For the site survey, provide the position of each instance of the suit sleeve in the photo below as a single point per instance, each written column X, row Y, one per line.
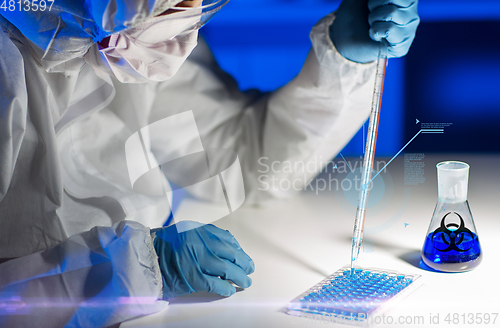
column 93, row 279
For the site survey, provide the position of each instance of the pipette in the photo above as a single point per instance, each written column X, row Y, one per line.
column 357, row 235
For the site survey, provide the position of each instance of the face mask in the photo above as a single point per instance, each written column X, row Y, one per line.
column 152, row 51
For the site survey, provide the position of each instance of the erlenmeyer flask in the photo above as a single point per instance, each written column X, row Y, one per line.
column 452, row 243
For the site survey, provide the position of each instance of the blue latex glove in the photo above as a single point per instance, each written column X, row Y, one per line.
column 202, row 258
column 360, row 25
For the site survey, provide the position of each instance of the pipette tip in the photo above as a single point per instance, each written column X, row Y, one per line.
column 353, row 262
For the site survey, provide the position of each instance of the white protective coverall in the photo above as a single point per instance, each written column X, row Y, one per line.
column 70, row 220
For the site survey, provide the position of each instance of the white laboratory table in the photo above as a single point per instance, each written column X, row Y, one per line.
column 298, row 242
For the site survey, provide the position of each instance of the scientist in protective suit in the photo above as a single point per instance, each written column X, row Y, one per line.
column 78, row 244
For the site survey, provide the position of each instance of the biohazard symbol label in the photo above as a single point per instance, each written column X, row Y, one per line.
column 452, row 238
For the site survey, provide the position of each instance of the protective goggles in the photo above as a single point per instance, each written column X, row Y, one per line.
column 182, row 20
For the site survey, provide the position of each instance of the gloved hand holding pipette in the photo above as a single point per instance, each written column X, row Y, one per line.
column 360, row 25
column 365, row 31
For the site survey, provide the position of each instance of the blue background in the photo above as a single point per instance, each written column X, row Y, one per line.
column 451, row 75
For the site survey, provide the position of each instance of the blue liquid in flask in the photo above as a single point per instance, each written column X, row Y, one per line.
column 451, row 252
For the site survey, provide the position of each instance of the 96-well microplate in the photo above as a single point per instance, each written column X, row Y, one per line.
column 351, row 299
